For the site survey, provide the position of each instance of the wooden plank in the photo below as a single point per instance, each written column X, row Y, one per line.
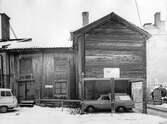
column 145, row 81
column 122, row 36
column 102, row 45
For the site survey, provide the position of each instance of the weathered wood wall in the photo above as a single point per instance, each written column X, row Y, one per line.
column 113, row 45
column 48, row 66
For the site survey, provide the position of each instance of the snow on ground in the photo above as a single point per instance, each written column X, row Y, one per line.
column 161, row 106
column 46, row 115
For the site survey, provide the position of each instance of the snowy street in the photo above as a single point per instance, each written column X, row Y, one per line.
column 44, row 115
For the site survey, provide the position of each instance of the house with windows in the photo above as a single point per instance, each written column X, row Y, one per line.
column 157, row 52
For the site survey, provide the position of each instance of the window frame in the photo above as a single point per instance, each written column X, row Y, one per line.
column 61, row 88
column 5, row 93
column 23, row 61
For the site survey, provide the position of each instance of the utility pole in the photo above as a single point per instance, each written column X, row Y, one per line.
column 137, row 7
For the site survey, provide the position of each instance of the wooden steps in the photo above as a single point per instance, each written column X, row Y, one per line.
column 26, row 103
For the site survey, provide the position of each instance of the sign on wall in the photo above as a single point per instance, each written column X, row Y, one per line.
column 111, row 72
column 48, row 86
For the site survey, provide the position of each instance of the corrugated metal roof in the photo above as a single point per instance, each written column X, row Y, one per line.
column 9, row 45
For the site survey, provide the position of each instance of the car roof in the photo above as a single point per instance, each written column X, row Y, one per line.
column 116, row 94
column 5, row 89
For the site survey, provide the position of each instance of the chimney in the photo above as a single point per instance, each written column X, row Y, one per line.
column 157, row 19
column 4, row 27
column 85, row 18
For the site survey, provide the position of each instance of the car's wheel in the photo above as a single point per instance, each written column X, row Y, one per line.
column 90, row 109
column 121, row 109
column 3, row 109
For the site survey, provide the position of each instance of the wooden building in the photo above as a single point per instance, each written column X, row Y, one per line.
column 40, row 71
column 110, row 47
column 109, row 44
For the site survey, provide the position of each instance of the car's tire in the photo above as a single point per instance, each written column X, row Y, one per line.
column 121, row 109
column 3, row 109
column 90, row 109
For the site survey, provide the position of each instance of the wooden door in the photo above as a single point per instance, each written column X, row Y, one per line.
column 21, row 91
column 26, row 91
column 137, row 92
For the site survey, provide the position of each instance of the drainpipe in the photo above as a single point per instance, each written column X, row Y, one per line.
column 2, row 76
column 9, row 72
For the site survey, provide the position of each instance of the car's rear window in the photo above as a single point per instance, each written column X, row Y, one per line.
column 124, row 98
column 6, row 93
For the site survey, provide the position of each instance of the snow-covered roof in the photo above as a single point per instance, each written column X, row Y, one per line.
column 29, row 44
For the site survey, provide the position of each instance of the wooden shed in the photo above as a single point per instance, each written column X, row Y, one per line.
column 40, row 71
column 110, row 47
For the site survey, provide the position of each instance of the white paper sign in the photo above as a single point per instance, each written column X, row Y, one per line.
column 111, row 72
column 48, row 86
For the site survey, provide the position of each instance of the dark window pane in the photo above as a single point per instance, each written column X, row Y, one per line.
column 2, row 93
column 105, row 98
column 8, row 93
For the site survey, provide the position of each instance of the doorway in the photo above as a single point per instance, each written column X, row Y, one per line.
column 26, row 90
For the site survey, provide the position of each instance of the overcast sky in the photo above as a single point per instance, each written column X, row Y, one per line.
column 52, row 20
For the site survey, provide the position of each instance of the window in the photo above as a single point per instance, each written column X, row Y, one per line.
column 105, row 98
column 61, row 87
column 26, row 66
column 6, row 93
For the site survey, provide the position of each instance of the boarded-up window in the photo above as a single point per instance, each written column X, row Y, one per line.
column 26, row 66
column 61, row 87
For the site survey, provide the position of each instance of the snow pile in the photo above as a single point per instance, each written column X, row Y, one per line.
column 45, row 115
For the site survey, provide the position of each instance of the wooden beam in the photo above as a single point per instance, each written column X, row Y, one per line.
column 82, row 86
column 144, row 86
column 112, row 95
column 129, row 79
column 145, row 81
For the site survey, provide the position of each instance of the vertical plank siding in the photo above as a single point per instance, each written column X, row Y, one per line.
column 47, row 67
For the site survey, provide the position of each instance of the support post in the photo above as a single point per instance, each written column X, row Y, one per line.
column 82, row 92
column 112, row 95
column 144, row 85
column 82, row 86
column 145, row 79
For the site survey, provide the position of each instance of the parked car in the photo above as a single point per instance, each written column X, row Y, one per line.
column 123, row 102
column 7, row 100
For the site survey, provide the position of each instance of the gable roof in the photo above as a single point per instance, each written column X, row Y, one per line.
column 115, row 17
